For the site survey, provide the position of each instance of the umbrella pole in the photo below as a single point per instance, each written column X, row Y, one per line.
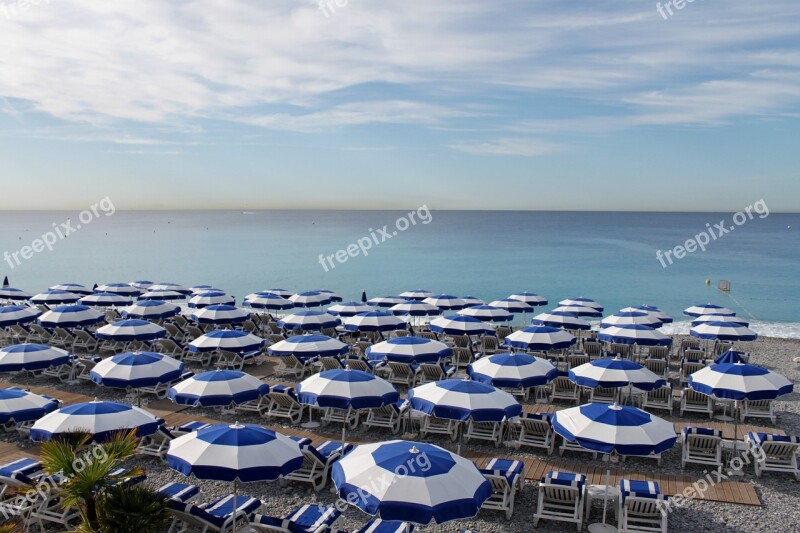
column 603, row 527
column 735, row 473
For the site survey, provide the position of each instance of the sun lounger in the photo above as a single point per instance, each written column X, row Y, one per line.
column 172, row 348
column 317, row 462
column 283, row 404
column 696, row 402
column 439, row 426
column 160, row 389
column 562, row 388
column 506, row 477
column 774, row 453
column 660, row 398
column 641, row 507
column 402, row 373
column 187, row 427
column 388, row 416
column 218, row 515
column 17, row 474
column 156, row 444
column 350, row 417
column 85, row 342
column 535, row 431
column 376, row 525
column 305, row 519
column 429, row 372
column 237, row 360
column 491, row 431
column 561, row 497
column 292, row 365
column 702, row 446
column 182, row 492
column 757, row 409
column 85, row 366
column 604, row 394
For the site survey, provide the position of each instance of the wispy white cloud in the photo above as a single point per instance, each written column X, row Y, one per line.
column 509, row 146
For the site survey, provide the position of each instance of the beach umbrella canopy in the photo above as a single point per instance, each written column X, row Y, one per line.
column 529, row 298
column 456, row 399
column 75, row 288
column 386, row 301
column 135, row 370
column 540, row 338
column 105, row 299
column 460, row 325
column 130, row 330
column 512, row 305
column 218, row 388
column 730, row 356
column 512, row 370
column 652, row 311
column 28, row 357
column 169, row 286
column 10, row 293
column 373, row 321
column 723, row 331
column 578, row 310
column 586, row 302
column 471, row 301
column 220, row 315
column 235, row 452
column 629, row 318
column 346, row 309
column 707, row 309
column 561, row 320
column 70, row 316
column 409, row 350
column 163, row 295
column 99, row 419
column 420, row 483
column 283, row 293
column 487, row 313
column 141, row 284
column 18, row 405
column 51, row 296
column 304, row 346
column 309, row 321
column 418, row 294
column 609, row 428
column 227, row 339
column 615, row 372
column 346, row 389
column 123, row 289
column 414, row 308
column 204, row 299
column 696, row 321
column 17, row 314
column 639, row 335
column 445, row 302
column 310, row 299
column 332, row 296
column 150, row 310
column 739, row 381
column 197, row 289
column 267, row 300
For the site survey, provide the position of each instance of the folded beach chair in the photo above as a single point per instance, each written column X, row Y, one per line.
column 702, row 446
column 641, row 507
column 561, row 497
column 429, row 372
column 38, row 334
column 237, row 360
column 156, row 444
column 757, row 409
column 696, row 402
column 175, row 332
column 182, row 492
column 535, row 431
column 660, row 398
column 389, row 416
column 84, row 341
column 62, row 338
column 506, row 477
column 402, row 373
column 283, row 404
column 462, row 357
column 305, row 519
column 218, row 515
column 19, row 333
column 317, row 462
column 562, row 388
column 376, row 525
column 489, row 345
column 439, row 426
column 774, row 453
column 491, row 431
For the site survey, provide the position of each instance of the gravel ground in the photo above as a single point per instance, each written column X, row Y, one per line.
column 780, row 493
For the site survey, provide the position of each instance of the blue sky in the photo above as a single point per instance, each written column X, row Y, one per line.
column 523, row 104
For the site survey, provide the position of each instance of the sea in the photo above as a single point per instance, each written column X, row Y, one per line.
column 608, row 256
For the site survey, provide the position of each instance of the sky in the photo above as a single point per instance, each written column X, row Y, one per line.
column 356, row 104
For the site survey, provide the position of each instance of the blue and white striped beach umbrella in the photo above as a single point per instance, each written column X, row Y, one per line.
column 586, row 302
column 220, row 315
column 414, row 308
column 529, row 298
column 629, row 318
column 332, row 296
column 204, row 299
column 487, row 313
column 218, row 388
column 99, row 419
column 309, row 321
column 135, row 370
column 615, row 372
column 561, row 320
column 639, row 335
column 283, row 293
column 578, row 310
column 141, row 284
column 105, row 299
column 512, row 370
column 456, row 399
column 150, row 310
column 310, row 299
column 130, row 330
column 75, row 288
column 512, row 305
column 70, row 316
column 304, row 346
column 346, row 389
column 373, row 321
column 231, row 340
column 609, row 428
column 169, row 286
column 652, row 311
column 237, row 452
column 346, row 309
column 17, row 295
column 28, row 357
column 540, row 338
column 707, row 309
column 696, row 321
column 446, row 302
column 386, row 301
column 17, row 314
column 267, row 300
column 55, row 297
column 163, row 295
column 409, row 350
column 471, row 301
column 740, row 381
column 723, row 331
column 460, row 325
column 410, row 482
column 18, row 405
column 123, row 289
column 417, row 294
column 197, row 289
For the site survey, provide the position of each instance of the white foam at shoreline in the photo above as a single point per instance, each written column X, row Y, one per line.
column 781, row 330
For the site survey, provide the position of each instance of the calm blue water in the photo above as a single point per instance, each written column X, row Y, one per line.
column 608, row 256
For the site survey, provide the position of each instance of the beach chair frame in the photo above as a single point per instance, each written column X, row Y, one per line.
column 560, row 502
column 701, row 446
column 774, row 455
